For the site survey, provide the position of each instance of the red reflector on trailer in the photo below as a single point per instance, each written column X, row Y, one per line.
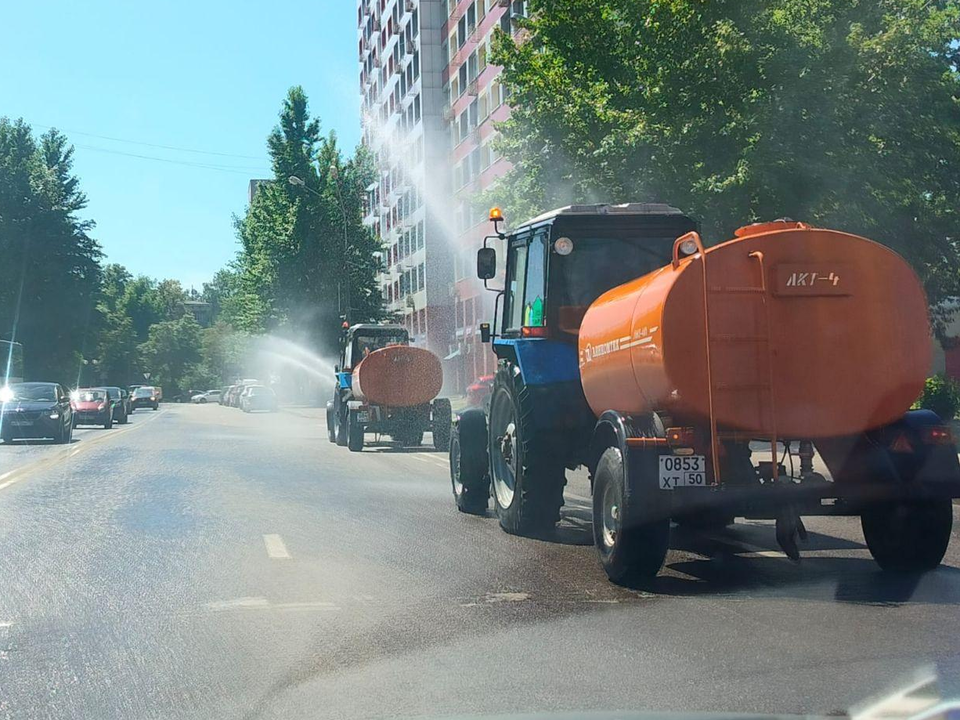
column 533, row 332
column 901, row 444
column 936, row 435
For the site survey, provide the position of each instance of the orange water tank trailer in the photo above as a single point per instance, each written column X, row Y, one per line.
column 812, row 333
column 398, row 376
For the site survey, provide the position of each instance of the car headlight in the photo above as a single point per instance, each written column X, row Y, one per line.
column 55, row 415
column 101, row 406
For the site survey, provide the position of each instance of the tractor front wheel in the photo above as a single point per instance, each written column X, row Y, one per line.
column 469, row 465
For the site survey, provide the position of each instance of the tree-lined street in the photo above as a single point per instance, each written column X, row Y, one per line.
column 209, row 563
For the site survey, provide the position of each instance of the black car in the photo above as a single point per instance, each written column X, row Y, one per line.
column 35, row 410
column 121, row 406
column 145, row 396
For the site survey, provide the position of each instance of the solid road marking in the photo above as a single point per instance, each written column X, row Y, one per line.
column 275, row 547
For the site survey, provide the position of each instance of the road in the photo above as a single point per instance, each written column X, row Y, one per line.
column 204, row 563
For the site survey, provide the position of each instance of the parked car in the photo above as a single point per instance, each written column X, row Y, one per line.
column 92, row 406
column 121, row 408
column 223, row 395
column 35, row 410
column 480, row 392
column 145, row 396
column 258, row 397
column 205, row 397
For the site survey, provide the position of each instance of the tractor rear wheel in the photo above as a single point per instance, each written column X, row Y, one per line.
column 908, row 536
column 527, row 468
column 631, row 540
column 469, row 465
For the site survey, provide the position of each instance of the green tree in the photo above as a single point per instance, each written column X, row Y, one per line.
column 844, row 113
column 172, row 352
column 49, row 264
column 298, row 267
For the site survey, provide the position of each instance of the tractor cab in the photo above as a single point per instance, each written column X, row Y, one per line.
column 558, row 263
column 361, row 340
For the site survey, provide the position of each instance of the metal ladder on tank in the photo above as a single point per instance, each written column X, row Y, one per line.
column 763, row 338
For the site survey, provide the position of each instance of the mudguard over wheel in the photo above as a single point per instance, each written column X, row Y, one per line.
column 526, row 465
column 631, row 540
column 354, row 432
column 469, row 463
column 442, row 421
column 331, row 423
column 908, row 536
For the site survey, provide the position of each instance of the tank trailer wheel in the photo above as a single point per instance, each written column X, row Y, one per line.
column 908, row 536
column 354, row 432
column 632, row 547
column 526, row 468
column 469, row 465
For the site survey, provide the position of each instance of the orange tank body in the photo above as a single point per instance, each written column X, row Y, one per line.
column 398, row 376
column 839, row 342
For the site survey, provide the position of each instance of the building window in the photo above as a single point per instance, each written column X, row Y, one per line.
column 472, row 17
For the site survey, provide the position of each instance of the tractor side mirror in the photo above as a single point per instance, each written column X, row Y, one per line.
column 486, row 263
column 484, row 332
column 336, row 368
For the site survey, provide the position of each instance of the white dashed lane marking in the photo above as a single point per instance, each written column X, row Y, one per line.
column 275, row 547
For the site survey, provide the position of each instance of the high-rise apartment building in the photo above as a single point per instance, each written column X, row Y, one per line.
column 430, row 99
column 399, row 44
column 475, row 102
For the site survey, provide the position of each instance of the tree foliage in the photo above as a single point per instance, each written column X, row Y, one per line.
column 306, row 256
column 844, row 113
column 49, row 264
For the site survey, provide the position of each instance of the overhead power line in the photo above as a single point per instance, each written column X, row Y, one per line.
column 153, row 145
column 236, row 169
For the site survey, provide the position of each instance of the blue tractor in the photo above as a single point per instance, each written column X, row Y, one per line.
column 539, row 423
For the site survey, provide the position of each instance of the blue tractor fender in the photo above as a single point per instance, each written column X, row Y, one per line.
column 541, row 361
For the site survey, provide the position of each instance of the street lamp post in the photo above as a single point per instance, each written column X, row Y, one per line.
column 335, row 173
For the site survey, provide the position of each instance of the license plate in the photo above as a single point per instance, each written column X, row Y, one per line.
column 21, row 423
column 363, row 416
column 677, row 471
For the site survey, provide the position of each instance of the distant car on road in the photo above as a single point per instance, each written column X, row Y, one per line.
column 35, row 410
column 121, row 408
column 258, row 397
column 92, row 406
column 145, row 396
column 205, row 397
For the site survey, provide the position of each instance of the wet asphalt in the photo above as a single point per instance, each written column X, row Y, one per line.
column 205, row 563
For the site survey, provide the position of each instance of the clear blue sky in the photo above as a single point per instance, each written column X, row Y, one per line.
column 205, row 75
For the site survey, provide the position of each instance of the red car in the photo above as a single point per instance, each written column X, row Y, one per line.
column 92, row 406
column 478, row 394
